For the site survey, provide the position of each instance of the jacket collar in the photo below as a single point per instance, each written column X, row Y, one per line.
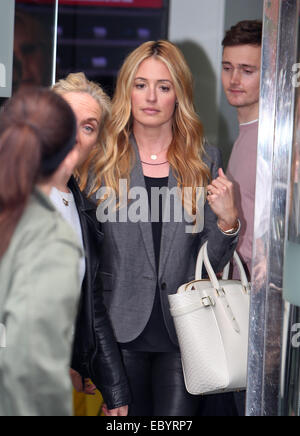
column 82, row 203
column 86, row 211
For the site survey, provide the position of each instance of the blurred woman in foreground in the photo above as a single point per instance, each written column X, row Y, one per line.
column 39, row 256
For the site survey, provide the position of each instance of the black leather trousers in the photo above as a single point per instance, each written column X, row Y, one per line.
column 157, row 386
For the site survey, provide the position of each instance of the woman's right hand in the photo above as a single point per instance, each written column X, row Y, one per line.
column 221, row 199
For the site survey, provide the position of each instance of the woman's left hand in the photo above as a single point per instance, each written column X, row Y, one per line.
column 120, row 411
column 220, row 197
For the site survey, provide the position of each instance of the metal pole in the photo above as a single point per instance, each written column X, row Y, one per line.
column 55, row 43
column 290, row 371
column 274, row 156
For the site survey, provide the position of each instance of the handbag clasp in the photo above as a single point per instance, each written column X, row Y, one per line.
column 208, row 301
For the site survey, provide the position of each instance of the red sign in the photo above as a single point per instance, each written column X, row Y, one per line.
column 154, row 4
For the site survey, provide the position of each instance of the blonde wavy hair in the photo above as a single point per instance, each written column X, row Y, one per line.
column 78, row 82
column 185, row 153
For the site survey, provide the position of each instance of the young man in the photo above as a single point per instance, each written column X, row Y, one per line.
column 241, row 82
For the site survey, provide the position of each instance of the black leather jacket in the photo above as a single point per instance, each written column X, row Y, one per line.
column 95, row 352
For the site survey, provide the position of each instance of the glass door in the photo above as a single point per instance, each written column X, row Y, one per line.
column 34, row 43
column 28, row 34
column 7, row 12
column 290, row 375
column 276, row 270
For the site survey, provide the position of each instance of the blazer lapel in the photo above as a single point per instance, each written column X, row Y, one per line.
column 137, row 179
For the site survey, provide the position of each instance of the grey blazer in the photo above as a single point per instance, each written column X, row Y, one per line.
column 128, row 269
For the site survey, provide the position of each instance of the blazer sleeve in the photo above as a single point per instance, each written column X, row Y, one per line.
column 40, row 313
column 106, row 366
column 220, row 246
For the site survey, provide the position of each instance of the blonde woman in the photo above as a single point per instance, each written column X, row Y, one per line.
column 155, row 141
column 95, row 355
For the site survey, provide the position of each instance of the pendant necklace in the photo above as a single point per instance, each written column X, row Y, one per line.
column 154, row 157
column 63, row 199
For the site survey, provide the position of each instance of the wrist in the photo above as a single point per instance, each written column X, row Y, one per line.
column 227, row 224
column 229, row 228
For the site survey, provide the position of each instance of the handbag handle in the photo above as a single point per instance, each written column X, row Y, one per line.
column 226, row 272
column 243, row 275
column 203, row 257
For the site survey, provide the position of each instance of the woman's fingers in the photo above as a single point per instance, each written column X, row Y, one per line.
column 220, row 185
column 221, row 173
column 89, row 388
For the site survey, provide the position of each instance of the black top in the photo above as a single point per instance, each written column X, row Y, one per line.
column 152, row 182
column 155, row 337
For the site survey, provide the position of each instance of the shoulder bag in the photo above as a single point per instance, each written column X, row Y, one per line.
column 211, row 319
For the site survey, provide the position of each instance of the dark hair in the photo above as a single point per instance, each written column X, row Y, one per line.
column 244, row 32
column 35, row 126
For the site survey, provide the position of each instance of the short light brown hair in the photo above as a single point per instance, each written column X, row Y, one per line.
column 243, row 33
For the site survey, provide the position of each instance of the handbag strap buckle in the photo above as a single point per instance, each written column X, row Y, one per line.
column 221, row 292
column 247, row 289
column 208, row 301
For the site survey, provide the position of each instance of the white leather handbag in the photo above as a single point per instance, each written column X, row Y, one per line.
column 212, row 321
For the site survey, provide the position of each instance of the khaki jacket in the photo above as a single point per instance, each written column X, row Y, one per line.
column 39, row 292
